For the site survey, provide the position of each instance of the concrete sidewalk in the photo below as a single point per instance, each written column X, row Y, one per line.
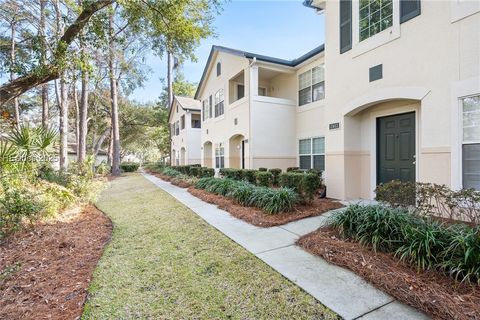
column 339, row 289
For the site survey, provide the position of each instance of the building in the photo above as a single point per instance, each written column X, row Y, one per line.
column 185, row 126
column 250, row 110
column 402, row 93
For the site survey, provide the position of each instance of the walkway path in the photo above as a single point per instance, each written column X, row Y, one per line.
column 339, row 289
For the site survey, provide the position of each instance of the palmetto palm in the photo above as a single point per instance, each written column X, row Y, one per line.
column 26, row 146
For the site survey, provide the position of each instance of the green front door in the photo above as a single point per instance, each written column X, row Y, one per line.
column 396, row 148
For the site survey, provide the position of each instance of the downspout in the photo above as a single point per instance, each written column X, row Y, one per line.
column 250, row 135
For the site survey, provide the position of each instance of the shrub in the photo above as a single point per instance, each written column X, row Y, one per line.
column 207, row 172
column 291, row 180
column 242, row 194
column 310, row 184
column 102, row 169
column 264, row 178
column 195, row 171
column 249, row 175
column 422, row 242
column 129, row 166
column 155, row 167
column 231, row 173
column 289, row 169
column 55, row 197
column 276, row 200
column 276, row 173
column 431, row 199
column 262, row 169
column 170, row 172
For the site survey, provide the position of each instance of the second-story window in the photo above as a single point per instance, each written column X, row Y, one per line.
column 374, row 17
column 219, row 69
column 311, row 85
column 182, row 122
column 205, row 110
column 219, row 103
column 177, row 128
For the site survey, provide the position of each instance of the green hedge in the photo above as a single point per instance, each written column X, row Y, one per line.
column 276, row 174
column 129, row 166
column 305, row 184
column 264, row 178
column 270, row 200
column 421, row 242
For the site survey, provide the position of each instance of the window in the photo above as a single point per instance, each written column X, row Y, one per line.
column 196, row 124
column 240, row 91
column 311, row 85
column 345, row 25
column 374, row 16
column 471, row 142
column 219, row 156
column 177, row 128
column 219, row 107
column 205, row 110
column 182, row 122
column 210, row 106
column 312, row 153
column 219, row 69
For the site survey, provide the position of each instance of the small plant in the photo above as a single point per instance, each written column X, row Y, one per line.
column 231, row 173
column 290, row 169
column 273, row 201
column 249, row 175
column 264, row 178
column 129, row 166
column 170, row 172
column 195, row 171
column 311, row 183
column 207, row 172
column 262, row 169
column 276, row 173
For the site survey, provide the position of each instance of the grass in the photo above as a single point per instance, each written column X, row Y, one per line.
column 164, row 262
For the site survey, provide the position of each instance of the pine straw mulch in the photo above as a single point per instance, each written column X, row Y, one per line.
column 258, row 217
column 45, row 272
column 432, row 292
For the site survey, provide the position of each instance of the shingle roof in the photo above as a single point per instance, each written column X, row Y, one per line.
column 186, row 103
column 260, row 57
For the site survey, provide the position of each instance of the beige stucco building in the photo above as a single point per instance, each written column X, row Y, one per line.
column 250, row 109
column 185, row 126
column 394, row 94
column 404, row 88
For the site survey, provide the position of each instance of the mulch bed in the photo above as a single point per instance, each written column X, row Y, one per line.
column 432, row 292
column 51, row 266
column 258, row 217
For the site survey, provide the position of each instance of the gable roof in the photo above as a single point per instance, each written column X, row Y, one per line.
column 186, row 103
column 260, row 57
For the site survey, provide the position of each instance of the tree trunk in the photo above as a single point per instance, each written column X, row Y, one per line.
column 63, row 111
column 43, row 57
column 113, row 99
column 83, row 127
column 77, row 117
column 98, row 145
column 16, row 106
column 10, row 90
column 170, row 78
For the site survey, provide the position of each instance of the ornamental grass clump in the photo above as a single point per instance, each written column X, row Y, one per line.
column 170, row 172
column 422, row 242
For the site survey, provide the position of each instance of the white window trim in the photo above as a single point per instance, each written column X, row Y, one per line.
column 309, row 69
column 462, row 141
column 220, row 145
column 311, row 151
column 377, row 40
column 460, row 89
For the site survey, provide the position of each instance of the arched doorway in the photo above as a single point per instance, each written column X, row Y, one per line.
column 237, row 152
column 183, row 154
column 207, row 154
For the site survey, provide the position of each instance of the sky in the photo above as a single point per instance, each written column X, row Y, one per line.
column 280, row 28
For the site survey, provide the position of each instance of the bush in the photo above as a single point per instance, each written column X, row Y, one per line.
column 129, row 166
column 155, row 167
column 270, row 200
column 249, row 175
column 276, row 173
column 289, row 169
column 431, row 199
column 311, row 183
column 195, row 171
column 207, row 172
column 102, row 169
column 170, row 172
column 264, row 178
column 305, row 184
column 262, row 169
column 422, row 242
column 231, row 173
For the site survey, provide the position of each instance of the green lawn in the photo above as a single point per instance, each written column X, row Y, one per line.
column 164, row 262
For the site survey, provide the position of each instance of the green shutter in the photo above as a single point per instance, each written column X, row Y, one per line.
column 345, row 25
column 409, row 9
